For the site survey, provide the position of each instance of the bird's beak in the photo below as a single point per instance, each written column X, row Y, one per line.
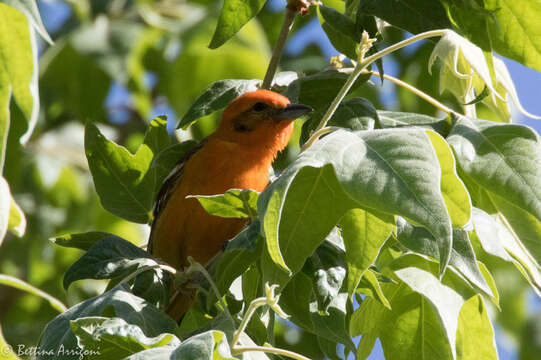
column 293, row 111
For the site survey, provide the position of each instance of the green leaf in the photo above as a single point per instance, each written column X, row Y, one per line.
column 345, row 170
column 17, row 220
column 210, row 345
column 370, row 286
column 355, row 114
column 364, row 233
column 462, row 256
column 83, row 241
column 132, row 309
column 106, row 259
column 30, row 10
column 505, row 160
column 514, row 31
column 327, row 269
column 18, row 73
column 445, row 299
column 125, row 182
column 403, row 119
column 340, row 30
column 454, row 191
column 475, row 335
column 105, row 338
column 412, row 330
column 235, row 13
column 235, row 203
column 239, row 253
column 216, row 97
column 5, row 207
column 24, row 286
column 496, row 239
column 410, row 15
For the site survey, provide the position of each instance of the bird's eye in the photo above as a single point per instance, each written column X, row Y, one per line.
column 259, row 106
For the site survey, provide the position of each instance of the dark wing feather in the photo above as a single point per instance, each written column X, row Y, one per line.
column 168, row 186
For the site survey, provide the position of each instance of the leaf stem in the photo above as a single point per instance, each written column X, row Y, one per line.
column 31, row 289
column 289, row 18
column 272, row 300
column 417, row 92
column 361, row 65
column 316, row 135
column 272, row 350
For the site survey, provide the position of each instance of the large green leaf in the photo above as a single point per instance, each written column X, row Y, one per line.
column 475, row 335
column 30, row 9
column 462, row 256
column 444, row 297
column 345, row 170
column 216, row 97
column 364, row 233
column 235, row 203
column 18, row 72
column 340, row 30
column 497, row 240
column 414, row 16
column 210, row 345
column 126, row 182
column 515, row 31
column 505, row 160
column 114, row 338
column 106, row 259
column 235, row 13
column 132, row 309
column 412, row 330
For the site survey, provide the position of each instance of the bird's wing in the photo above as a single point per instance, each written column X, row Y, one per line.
column 169, row 184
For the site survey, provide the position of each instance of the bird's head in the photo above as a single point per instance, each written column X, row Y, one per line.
column 260, row 118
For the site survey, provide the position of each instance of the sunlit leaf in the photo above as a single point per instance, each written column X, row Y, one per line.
column 344, row 170
column 235, row 13
column 235, row 203
column 18, row 72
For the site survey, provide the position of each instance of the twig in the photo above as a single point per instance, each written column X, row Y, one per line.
column 416, row 91
column 289, row 18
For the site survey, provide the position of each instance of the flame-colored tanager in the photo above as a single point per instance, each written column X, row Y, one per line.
column 253, row 129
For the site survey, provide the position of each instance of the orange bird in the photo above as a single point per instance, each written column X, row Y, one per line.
column 254, row 128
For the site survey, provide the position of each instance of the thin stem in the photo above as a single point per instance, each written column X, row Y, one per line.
column 279, row 47
column 363, row 63
column 146, row 268
column 417, row 92
column 271, row 350
column 254, row 305
column 317, row 134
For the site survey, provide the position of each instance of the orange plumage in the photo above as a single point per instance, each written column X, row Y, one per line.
column 254, row 128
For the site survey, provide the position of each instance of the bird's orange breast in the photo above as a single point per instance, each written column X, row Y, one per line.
column 184, row 228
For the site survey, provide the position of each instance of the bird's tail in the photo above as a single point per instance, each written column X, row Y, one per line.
column 181, row 303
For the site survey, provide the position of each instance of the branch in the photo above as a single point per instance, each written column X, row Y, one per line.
column 289, row 18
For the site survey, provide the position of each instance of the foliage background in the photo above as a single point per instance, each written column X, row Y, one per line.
column 112, row 67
